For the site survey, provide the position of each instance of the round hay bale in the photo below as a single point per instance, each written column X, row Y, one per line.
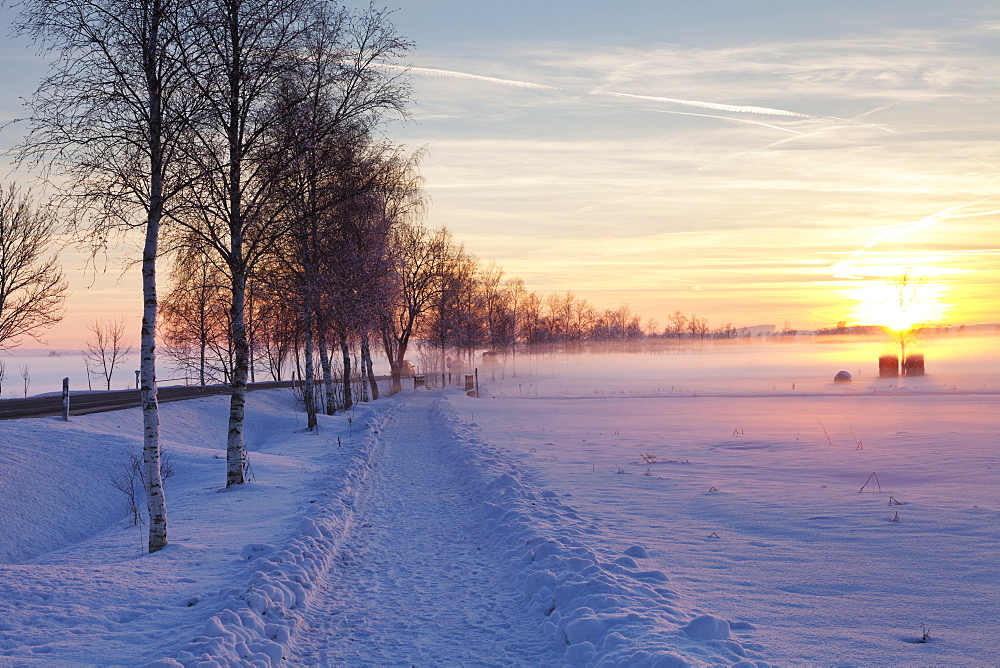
column 842, row 377
column 913, row 365
column 888, row 366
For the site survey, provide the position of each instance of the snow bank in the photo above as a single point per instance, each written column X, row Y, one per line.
column 77, row 588
column 55, row 483
column 603, row 609
column 255, row 626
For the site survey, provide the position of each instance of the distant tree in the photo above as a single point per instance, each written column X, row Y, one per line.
column 277, row 335
column 698, row 327
column 677, row 324
column 531, row 325
column 560, row 315
column 422, row 258
column 32, row 287
column 195, row 318
column 583, row 319
column 370, row 240
column 907, row 292
column 726, row 331
column 26, row 377
column 511, row 330
column 496, row 302
column 107, row 348
column 452, row 319
column 464, row 279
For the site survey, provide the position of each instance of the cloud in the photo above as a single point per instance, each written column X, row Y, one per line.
column 869, row 130
column 982, row 163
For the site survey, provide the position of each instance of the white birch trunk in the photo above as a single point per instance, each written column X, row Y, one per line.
column 156, row 504
column 346, row 351
column 235, row 457
column 309, row 390
column 324, row 358
column 235, row 454
column 366, row 361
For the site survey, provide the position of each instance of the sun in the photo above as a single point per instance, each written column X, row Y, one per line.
column 899, row 303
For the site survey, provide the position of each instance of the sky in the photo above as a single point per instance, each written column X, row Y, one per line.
column 750, row 162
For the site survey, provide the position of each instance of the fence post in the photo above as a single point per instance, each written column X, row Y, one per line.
column 477, row 382
column 65, row 399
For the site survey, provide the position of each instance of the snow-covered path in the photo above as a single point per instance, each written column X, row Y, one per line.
column 415, row 583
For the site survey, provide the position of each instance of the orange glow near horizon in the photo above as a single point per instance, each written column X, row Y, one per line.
column 899, row 306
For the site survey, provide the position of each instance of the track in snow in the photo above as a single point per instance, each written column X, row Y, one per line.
column 415, row 583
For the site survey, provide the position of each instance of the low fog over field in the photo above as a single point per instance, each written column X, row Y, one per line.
column 716, row 503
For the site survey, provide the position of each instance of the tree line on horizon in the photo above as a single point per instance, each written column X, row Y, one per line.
column 429, row 290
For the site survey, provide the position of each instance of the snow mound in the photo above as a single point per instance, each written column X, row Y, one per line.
column 637, row 551
column 708, row 627
column 602, row 610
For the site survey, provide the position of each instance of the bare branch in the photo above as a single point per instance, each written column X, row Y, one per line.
column 32, row 288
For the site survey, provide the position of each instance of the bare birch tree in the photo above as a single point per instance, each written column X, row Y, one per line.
column 239, row 54
column 111, row 115
column 32, row 287
column 25, row 373
column 107, row 349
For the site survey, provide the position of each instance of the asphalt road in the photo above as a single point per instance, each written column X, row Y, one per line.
column 82, row 403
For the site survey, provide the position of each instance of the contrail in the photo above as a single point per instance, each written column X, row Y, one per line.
column 744, row 109
column 848, row 121
column 726, row 118
column 738, row 108
column 618, row 201
column 901, row 229
column 981, row 162
column 451, row 74
column 843, row 268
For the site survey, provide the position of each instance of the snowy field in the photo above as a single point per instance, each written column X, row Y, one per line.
column 45, row 369
column 832, row 521
column 705, row 505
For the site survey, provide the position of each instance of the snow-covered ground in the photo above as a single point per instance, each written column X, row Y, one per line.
column 74, row 587
column 835, row 520
column 710, row 505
